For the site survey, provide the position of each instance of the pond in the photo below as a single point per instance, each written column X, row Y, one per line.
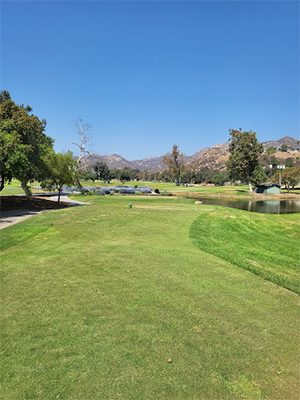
column 260, row 206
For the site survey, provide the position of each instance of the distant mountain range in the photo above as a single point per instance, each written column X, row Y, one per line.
column 213, row 157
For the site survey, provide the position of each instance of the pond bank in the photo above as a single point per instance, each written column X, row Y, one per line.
column 241, row 196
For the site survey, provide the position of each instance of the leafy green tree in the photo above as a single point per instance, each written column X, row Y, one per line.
column 267, row 160
column 272, row 167
column 124, row 175
column 269, row 163
column 61, row 170
column 274, row 162
column 135, row 174
column 175, row 164
column 284, row 147
column 102, row 171
column 4, row 96
column 114, row 173
column 129, row 174
column 152, row 176
column 289, row 162
column 270, row 151
column 204, row 174
column 13, row 156
column 87, row 175
column 219, row 178
column 259, row 175
column 290, row 177
column 164, row 176
column 186, row 176
column 23, row 143
column 145, row 176
column 244, row 151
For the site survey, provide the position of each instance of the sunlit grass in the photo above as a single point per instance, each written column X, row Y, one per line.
column 172, row 188
column 14, row 188
column 267, row 245
column 97, row 299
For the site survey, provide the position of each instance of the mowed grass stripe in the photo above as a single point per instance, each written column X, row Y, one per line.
column 267, row 245
column 94, row 306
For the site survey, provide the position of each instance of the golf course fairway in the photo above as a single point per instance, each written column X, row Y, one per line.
column 97, row 299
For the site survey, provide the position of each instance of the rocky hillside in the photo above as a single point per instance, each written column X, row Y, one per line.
column 150, row 164
column 293, row 143
column 213, row 157
column 216, row 156
column 113, row 161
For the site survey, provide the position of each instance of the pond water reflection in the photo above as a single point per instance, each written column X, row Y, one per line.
column 260, row 206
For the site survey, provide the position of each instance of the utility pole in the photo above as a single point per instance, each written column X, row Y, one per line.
column 280, row 167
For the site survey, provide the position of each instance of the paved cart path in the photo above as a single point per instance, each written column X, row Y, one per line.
column 12, row 217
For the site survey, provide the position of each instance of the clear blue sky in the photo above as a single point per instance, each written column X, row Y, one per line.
column 149, row 74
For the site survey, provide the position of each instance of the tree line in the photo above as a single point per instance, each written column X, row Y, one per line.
column 247, row 163
column 27, row 155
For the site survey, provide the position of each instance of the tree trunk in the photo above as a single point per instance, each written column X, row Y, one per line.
column 24, row 187
column 250, row 187
column 78, row 184
column 59, row 192
column 2, row 184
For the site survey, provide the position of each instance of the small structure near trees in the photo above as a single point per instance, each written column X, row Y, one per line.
column 267, row 188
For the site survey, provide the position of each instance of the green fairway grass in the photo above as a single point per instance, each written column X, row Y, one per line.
column 267, row 245
column 169, row 187
column 14, row 188
column 96, row 299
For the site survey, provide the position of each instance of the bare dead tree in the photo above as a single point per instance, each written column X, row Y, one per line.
column 85, row 138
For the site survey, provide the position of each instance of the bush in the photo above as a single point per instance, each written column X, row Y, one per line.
column 28, row 187
column 46, row 186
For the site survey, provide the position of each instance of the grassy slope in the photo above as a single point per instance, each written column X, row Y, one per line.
column 101, row 296
column 267, row 245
